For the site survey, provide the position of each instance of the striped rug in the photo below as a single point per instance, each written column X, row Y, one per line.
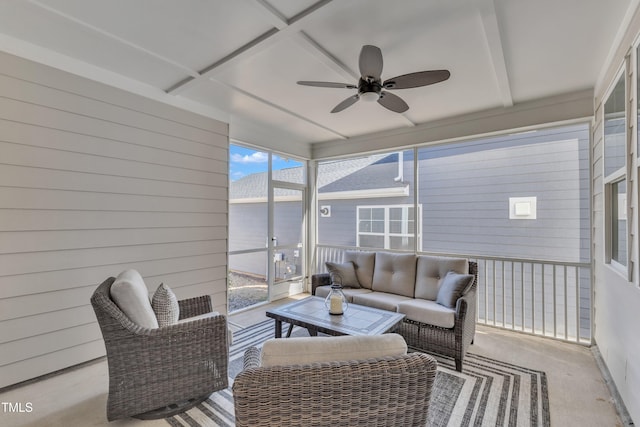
column 488, row 393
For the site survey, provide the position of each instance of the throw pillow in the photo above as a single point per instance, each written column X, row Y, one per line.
column 345, row 272
column 165, row 306
column 453, row 286
column 130, row 294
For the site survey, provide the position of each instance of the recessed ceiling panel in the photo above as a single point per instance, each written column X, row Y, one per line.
column 194, row 33
column 23, row 20
column 289, row 127
column 556, row 47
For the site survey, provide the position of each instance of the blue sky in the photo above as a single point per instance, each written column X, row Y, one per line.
column 245, row 161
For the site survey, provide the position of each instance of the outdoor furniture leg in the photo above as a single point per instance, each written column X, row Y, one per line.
column 278, row 328
column 290, row 330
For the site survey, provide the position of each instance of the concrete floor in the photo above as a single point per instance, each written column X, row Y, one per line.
column 578, row 393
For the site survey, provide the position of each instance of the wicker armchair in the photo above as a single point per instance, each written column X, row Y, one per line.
column 383, row 391
column 156, row 373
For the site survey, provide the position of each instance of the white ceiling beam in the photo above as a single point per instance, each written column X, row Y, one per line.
column 325, row 57
column 494, row 44
column 114, row 37
column 255, row 46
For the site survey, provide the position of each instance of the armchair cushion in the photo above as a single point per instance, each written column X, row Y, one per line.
column 453, row 287
column 306, row 350
column 165, row 306
column 132, row 297
column 346, row 273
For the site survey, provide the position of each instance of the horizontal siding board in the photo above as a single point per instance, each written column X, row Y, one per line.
column 146, row 151
column 36, row 115
column 39, row 282
column 44, row 364
column 39, row 324
column 17, row 350
column 57, row 99
column 29, row 219
column 29, row 198
column 22, row 263
column 40, row 241
column 30, row 177
column 77, row 162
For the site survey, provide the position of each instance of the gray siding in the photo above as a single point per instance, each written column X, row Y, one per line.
column 94, row 180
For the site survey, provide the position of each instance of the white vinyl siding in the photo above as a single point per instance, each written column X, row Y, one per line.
column 94, row 180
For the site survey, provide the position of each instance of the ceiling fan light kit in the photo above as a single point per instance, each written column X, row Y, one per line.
column 370, row 86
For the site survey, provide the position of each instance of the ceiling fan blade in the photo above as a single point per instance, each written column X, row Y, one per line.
column 346, row 103
column 421, row 78
column 392, row 102
column 370, row 62
column 328, row 84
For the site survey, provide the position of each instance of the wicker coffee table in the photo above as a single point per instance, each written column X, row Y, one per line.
column 311, row 313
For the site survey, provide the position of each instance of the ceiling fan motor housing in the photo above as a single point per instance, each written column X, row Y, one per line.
column 369, row 89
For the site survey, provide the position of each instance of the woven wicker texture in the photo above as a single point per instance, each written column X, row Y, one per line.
column 165, row 306
column 154, row 368
column 452, row 342
column 390, row 391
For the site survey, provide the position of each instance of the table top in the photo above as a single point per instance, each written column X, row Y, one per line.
column 356, row 320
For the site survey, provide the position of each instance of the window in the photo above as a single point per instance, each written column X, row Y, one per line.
column 386, row 227
column 615, row 162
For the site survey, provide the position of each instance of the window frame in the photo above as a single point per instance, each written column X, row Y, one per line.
column 387, row 234
column 615, row 177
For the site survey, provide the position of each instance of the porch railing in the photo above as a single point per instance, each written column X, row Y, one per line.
column 539, row 297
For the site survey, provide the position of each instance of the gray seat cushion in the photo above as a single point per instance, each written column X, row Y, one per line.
column 429, row 312
column 395, row 273
column 381, row 300
column 323, row 291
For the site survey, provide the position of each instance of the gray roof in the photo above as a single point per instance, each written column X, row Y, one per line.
column 255, row 185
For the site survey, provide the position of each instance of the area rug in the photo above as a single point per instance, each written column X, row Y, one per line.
column 487, row 393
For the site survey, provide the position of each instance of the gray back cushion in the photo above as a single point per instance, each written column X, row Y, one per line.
column 363, row 263
column 431, row 271
column 395, row 273
column 343, row 274
column 453, row 287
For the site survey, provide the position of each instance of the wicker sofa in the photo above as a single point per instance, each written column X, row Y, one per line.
column 331, row 381
column 413, row 285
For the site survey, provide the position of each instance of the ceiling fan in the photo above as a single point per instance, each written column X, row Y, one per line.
column 372, row 88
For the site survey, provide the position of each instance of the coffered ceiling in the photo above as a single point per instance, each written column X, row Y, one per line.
column 239, row 60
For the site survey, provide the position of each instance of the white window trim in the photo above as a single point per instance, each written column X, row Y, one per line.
column 387, row 233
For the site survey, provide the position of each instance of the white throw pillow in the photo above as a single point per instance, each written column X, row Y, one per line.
column 165, row 306
column 132, row 297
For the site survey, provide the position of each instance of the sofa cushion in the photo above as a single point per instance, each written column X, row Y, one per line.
column 429, row 312
column 131, row 295
column 305, row 350
column 323, row 291
column 431, row 270
column 381, row 300
column 363, row 263
column 165, row 305
column 453, row 287
column 395, row 273
column 343, row 274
